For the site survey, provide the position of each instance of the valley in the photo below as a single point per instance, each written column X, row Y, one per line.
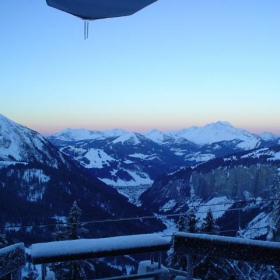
column 125, row 177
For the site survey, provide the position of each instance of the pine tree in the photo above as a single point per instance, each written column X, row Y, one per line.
column 74, row 226
column 181, row 224
column 192, row 222
column 209, row 225
column 3, row 240
column 206, row 266
column 74, row 270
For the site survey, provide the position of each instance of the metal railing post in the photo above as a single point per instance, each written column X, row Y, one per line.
column 159, row 259
column 16, row 275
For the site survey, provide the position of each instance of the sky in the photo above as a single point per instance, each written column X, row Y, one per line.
column 172, row 65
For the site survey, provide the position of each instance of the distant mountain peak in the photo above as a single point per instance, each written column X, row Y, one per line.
column 132, row 137
column 154, row 130
column 221, row 123
column 156, row 135
column 268, row 136
column 77, row 134
column 114, row 132
column 216, row 132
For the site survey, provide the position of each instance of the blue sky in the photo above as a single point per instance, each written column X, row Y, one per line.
column 170, row 66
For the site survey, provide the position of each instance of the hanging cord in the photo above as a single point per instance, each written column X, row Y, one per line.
column 86, row 27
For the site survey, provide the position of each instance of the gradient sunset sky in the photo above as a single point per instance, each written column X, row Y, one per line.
column 175, row 64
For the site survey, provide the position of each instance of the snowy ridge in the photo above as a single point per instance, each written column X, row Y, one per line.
column 216, row 132
column 157, row 136
column 208, row 134
column 266, row 136
column 71, row 134
column 21, row 144
column 129, row 137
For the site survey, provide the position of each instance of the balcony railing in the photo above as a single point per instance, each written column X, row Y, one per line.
column 12, row 258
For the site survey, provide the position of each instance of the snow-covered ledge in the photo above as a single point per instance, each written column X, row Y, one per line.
column 242, row 249
column 59, row 251
column 12, row 258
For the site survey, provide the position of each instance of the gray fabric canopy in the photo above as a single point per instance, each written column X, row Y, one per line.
column 99, row 9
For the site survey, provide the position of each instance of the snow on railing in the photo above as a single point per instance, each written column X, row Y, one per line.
column 59, row 251
column 12, row 258
column 241, row 249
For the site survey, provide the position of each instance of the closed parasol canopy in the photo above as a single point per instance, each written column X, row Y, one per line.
column 99, row 9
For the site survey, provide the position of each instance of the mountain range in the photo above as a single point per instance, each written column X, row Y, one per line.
column 234, row 173
column 159, row 168
column 131, row 161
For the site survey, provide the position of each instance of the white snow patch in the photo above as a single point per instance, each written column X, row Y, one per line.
column 141, row 156
column 144, row 157
column 31, row 174
column 257, row 227
column 148, row 267
column 97, row 158
column 218, row 206
column 198, row 157
column 168, row 205
column 132, row 192
column 128, row 161
column 137, row 179
column 127, row 137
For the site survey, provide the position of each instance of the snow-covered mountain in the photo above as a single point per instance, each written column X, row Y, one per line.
column 158, row 136
column 20, row 144
column 247, row 180
column 208, row 134
column 38, row 185
column 128, row 159
column 267, row 136
column 217, row 132
column 83, row 134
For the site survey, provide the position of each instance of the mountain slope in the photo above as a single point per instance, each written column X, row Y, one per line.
column 20, row 144
column 251, row 177
column 38, row 185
